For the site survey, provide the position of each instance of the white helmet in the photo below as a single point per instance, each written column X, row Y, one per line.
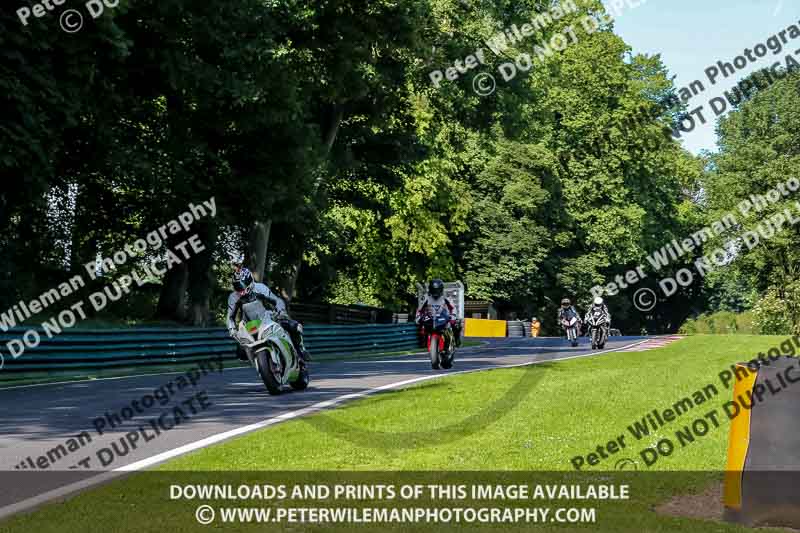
column 598, row 300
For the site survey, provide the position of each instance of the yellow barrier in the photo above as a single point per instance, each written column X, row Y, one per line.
column 738, row 442
column 478, row 327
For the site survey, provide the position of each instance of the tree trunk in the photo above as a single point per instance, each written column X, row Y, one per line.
column 291, row 282
column 84, row 243
column 172, row 301
column 335, row 118
column 201, row 277
column 258, row 245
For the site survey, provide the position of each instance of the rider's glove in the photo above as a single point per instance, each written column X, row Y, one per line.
column 232, row 332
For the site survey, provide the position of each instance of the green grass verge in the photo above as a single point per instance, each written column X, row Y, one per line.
column 720, row 323
column 465, row 423
column 572, row 407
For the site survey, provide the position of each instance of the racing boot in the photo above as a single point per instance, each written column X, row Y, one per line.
column 241, row 353
column 297, row 340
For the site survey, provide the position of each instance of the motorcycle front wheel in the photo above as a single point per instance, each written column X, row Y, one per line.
column 447, row 360
column 270, row 375
column 434, row 351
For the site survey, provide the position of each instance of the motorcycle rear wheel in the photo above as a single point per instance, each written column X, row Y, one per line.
column 447, row 360
column 264, row 365
column 301, row 383
column 599, row 338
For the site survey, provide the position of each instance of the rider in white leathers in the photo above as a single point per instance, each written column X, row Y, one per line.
column 246, row 290
column 599, row 305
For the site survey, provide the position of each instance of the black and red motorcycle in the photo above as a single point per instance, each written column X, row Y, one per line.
column 440, row 340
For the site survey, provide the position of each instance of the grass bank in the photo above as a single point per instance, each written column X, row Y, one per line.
column 533, row 419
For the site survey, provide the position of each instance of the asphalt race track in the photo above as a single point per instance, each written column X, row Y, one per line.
column 40, row 424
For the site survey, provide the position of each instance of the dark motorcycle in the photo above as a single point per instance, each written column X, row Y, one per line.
column 598, row 328
column 440, row 339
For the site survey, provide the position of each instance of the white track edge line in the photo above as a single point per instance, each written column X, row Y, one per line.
column 219, row 437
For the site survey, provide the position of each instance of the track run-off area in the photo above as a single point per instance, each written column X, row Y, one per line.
column 78, row 434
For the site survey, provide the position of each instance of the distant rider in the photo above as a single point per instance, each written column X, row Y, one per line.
column 433, row 304
column 246, row 290
column 566, row 312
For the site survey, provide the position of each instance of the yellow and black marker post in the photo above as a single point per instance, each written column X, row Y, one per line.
column 762, row 478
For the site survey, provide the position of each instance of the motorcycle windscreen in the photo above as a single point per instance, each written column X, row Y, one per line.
column 253, row 311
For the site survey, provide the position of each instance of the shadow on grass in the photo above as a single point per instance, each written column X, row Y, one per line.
column 470, row 425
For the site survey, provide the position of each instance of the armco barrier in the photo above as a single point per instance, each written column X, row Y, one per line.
column 83, row 350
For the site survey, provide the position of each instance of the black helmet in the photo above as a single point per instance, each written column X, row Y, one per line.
column 243, row 281
column 565, row 302
column 436, row 288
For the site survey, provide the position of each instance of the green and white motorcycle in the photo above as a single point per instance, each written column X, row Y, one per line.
column 271, row 351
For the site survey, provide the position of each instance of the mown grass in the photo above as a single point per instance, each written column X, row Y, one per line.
column 532, row 419
column 571, row 407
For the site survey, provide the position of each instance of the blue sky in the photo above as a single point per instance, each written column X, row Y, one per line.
column 692, row 35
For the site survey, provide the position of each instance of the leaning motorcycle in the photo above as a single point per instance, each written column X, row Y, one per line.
column 598, row 328
column 270, row 350
column 440, row 340
column 570, row 325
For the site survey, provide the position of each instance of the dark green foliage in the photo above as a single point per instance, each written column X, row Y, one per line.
column 320, row 118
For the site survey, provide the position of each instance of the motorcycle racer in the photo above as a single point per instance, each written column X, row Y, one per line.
column 599, row 305
column 246, row 290
column 434, row 302
column 567, row 311
column 598, row 320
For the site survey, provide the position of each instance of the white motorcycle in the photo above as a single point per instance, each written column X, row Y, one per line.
column 270, row 350
column 570, row 325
